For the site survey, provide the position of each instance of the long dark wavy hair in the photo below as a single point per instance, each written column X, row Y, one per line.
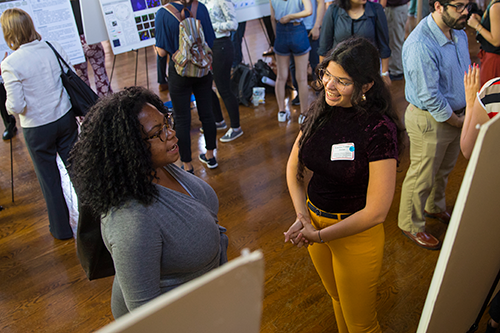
column 344, row 4
column 111, row 163
column 361, row 61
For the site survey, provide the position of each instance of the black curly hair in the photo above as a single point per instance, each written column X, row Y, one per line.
column 111, row 163
column 361, row 61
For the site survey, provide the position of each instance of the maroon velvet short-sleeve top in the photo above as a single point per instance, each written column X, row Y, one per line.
column 339, row 154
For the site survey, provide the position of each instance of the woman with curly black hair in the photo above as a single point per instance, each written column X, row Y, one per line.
column 158, row 222
column 349, row 141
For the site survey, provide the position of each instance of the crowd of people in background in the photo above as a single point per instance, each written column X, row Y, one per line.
column 350, row 138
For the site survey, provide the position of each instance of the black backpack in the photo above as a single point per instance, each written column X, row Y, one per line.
column 264, row 70
column 243, row 80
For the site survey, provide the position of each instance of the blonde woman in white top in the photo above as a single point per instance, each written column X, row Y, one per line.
column 34, row 91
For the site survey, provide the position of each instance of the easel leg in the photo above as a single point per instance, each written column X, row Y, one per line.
column 475, row 326
column 248, row 51
column 147, row 74
column 136, row 63
column 112, row 70
column 11, row 171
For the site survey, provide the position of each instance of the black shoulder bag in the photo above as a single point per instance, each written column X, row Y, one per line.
column 82, row 97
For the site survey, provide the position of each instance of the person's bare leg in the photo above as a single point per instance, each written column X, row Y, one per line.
column 301, row 63
column 209, row 154
column 283, row 63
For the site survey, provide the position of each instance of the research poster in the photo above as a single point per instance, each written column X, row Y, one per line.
column 54, row 20
column 130, row 23
column 247, row 10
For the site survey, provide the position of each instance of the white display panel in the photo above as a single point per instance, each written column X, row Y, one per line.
column 93, row 21
column 247, row 10
column 54, row 20
column 470, row 256
column 130, row 23
column 227, row 299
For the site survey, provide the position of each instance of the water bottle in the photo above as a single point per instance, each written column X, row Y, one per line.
column 268, row 81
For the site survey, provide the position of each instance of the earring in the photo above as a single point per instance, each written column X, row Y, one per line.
column 363, row 98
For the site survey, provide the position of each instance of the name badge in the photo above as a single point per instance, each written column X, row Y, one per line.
column 343, row 152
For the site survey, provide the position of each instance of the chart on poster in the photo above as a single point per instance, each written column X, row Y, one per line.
column 54, row 21
column 130, row 23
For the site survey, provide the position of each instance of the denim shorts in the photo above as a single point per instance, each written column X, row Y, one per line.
column 291, row 39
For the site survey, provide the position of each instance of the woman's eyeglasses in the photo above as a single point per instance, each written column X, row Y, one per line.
column 326, row 77
column 168, row 124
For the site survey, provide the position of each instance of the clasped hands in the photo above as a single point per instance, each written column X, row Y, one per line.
column 302, row 232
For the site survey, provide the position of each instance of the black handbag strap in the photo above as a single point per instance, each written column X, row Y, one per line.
column 59, row 58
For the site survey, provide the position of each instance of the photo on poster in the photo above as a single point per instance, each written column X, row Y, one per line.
column 138, row 5
column 129, row 23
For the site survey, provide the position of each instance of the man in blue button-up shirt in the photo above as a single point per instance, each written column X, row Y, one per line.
column 435, row 57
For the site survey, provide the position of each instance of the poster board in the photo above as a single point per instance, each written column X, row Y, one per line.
column 93, row 22
column 470, row 256
column 54, row 20
column 227, row 299
column 247, row 10
column 130, row 23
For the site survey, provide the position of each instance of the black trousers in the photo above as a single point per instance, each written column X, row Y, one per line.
column 44, row 143
column 7, row 118
column 222, row 61
column 180, row 92
column 161, row 69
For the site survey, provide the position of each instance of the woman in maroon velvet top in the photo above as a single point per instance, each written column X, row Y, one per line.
column 349, row 142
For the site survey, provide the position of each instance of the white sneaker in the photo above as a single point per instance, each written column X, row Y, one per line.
column 282, row 116
column 301, row 118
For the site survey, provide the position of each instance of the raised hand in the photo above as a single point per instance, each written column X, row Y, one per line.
column 472, row 83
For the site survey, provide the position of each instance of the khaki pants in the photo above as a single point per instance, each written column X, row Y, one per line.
column 434, row 148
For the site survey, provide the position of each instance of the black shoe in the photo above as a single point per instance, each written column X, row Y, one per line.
column 211, row 163
column 296, row 101
column 269, row 52
column 398, row 77
column 190, row 171
column 10, row 131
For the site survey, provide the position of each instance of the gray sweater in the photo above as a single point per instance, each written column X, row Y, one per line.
column 158, row 247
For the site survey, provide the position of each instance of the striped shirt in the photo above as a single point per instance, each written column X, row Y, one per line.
column 489, row 97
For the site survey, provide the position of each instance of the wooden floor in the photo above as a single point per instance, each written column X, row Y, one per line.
column 43, row 288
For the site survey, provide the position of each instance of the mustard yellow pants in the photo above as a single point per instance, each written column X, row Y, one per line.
column 349, row 269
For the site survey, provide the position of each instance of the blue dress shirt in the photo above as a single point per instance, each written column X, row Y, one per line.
column 434, row 69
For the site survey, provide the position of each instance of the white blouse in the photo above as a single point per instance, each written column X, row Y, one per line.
column 32, row 79
column 222, row 15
